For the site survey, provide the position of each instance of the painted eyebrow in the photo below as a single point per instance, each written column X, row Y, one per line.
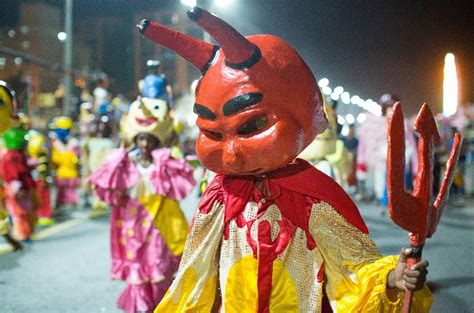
column 203, row 112
column 241, row 102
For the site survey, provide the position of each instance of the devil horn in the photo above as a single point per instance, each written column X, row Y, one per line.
column 239, row 52
column 199, row 53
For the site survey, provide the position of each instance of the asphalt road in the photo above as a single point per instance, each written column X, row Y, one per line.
column 66, row 269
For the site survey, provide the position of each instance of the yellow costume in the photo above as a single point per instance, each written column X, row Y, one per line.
column 265, row 257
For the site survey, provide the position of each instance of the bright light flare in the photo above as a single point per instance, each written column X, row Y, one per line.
column 341, row 120
column 62, row 36
column 223, row 3
column 338, row 90
column 346, row 97
column 450, row 86
column 189, row 3
column 355, row 99
column 361, row 118
column 326, row 90
column 323, row 82
column 350, row 118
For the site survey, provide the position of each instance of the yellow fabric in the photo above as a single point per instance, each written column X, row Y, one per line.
column 341, row 161
column 184, row 296
column 64, row 122
column 36, row 144
column 176, row 153
column 195, row 286
column 4, row 226
column 6, row 109
column 169, row 219
column 356, row 273
column 66, row 161
column 368, row 293
column 284, row 297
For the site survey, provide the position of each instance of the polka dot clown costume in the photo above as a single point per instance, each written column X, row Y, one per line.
column 148, row 228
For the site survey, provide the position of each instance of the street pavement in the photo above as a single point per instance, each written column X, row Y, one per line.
column 66, row 268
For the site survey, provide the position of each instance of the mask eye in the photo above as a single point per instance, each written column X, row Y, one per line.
column 156, row 107
column 253, row 126
column 212, row 135
column 1, row 102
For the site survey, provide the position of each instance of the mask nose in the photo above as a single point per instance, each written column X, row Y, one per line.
column 232, row 156
column 145, row 110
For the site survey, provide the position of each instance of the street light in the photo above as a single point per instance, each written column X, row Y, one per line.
column 223, row 3
column 189, row 3
column 350, row 118
column 338, row 90
column 323, row 82
column 361, row 118
column 450, row 86
column 326, row 90
column 62, row 36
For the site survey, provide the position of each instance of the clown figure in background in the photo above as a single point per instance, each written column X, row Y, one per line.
column 39, row 161
column 327, row 153
column 64, row 157
column 271, row 233
column 155, row 85
column 143, row 186
column 19, row 186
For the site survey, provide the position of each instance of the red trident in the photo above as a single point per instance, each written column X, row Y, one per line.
column 416, row 212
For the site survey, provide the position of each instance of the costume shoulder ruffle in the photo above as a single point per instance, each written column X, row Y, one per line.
column 171, row 177
column 117, row 172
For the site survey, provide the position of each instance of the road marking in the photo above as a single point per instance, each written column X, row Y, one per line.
column 56, row 228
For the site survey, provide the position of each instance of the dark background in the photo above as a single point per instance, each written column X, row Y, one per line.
column 368, row 47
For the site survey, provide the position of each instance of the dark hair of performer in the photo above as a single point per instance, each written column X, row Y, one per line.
column 146, row 143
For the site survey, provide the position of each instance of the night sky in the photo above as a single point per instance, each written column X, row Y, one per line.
column 368, row 47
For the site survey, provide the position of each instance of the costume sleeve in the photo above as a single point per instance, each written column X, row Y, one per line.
column 195, row 286
column 114, row 177
column 355, row 272
column 171, row 177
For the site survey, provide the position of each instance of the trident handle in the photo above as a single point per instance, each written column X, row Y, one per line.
column 412, row 260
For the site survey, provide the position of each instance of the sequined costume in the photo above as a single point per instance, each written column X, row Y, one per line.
column 283, row 251
column 148, row 228
column 270, row 234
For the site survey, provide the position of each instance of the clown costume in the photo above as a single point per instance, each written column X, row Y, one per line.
column 143, row 186
column 18, row 183
column 64, row 156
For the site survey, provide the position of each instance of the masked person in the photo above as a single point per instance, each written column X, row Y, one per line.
column 39, row 161
column 271, row 233
column 65, row 158
column 18, row 183
column 143, row 186
column 7, row 97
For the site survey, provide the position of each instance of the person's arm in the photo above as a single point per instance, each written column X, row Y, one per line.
column 358, row 278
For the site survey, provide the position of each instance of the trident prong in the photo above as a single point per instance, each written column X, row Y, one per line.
column 416, row 212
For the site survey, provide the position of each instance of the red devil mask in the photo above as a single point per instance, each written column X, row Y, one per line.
column 258, row 103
